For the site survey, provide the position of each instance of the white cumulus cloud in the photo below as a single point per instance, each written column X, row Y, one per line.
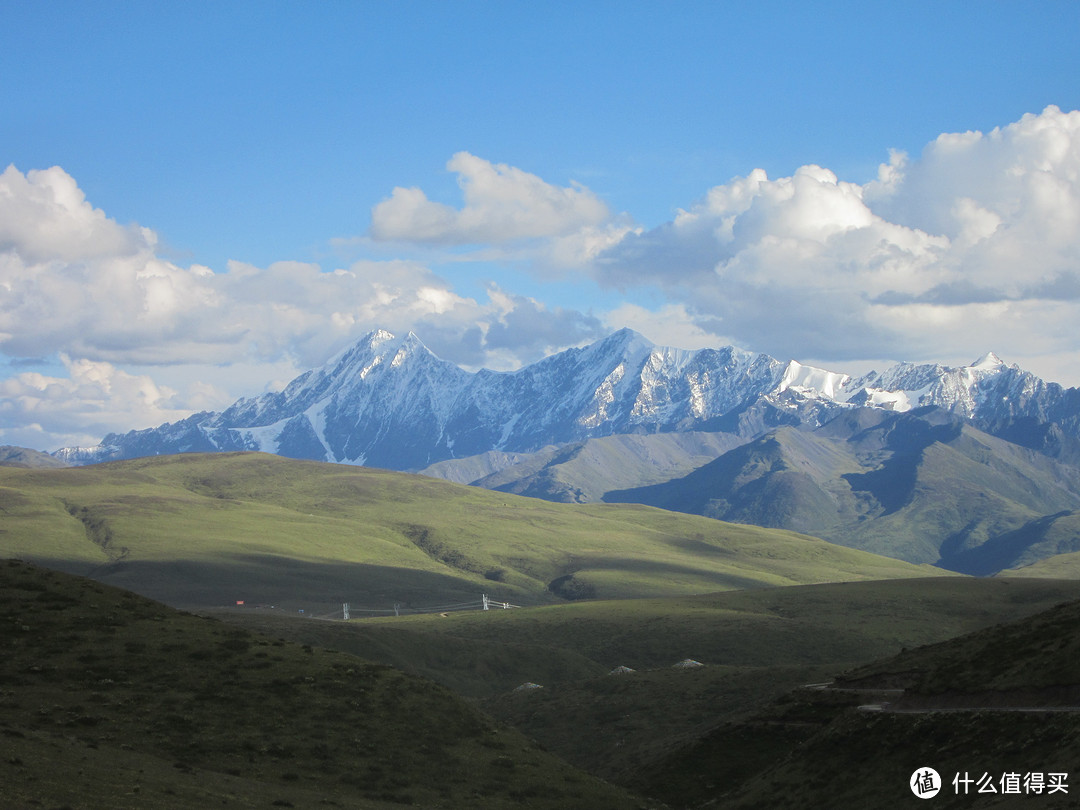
column 972, row 245
column 975, row 244
column 145, row 340
column 502, row 204
column 42, row 410
column 44, row 216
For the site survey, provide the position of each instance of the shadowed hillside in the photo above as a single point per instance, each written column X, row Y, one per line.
column 25, row 457
column 582, row 472
column 924, row 487
column 999, row 707
column 643, row 726
column 112, row 701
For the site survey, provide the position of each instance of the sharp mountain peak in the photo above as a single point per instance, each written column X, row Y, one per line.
column 389, row 401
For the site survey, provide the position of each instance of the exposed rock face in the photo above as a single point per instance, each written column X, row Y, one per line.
column 389, row 402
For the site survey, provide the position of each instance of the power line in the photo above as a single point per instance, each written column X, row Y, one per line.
column 348, row 610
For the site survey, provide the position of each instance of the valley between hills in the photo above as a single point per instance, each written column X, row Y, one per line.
column 111, row 700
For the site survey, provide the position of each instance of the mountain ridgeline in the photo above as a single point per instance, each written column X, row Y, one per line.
column 975, row 468
column 390, row 402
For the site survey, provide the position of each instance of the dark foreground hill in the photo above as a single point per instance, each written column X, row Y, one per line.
column 110, row 701
column 995, row 713
column 686, row 735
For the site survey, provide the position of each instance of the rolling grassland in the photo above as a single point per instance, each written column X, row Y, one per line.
column 209, row 530
column 127, row 703
column 684, row 735
column 109, row 701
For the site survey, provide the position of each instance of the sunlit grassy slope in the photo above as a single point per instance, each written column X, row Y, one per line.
column 213, row 529
column 1061, row 565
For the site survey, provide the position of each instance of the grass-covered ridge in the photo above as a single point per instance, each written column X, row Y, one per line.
column 924, row 488
column 687, row 736
column 109, row 700
column 211, row 529
column 1001, row 700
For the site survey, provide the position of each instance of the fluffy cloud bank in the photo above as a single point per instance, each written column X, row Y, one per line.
column 974, row 244
column 75, row 283
column 72, row 280
column 502, row 204
column 44, row 410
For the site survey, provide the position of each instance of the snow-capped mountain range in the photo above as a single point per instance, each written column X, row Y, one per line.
column 388, row 401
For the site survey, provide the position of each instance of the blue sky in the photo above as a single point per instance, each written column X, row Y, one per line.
column 242, row 188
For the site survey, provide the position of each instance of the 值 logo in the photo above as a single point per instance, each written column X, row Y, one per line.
column 925, row 783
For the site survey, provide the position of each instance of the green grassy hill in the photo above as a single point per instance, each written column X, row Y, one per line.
column 199, row 530
column 1002, row 700
column 581, row 472
column 110, row 701
column 1036, row 543
column 1035, row 661
column 1060, row 565
column 939, row 492
column 642, row 729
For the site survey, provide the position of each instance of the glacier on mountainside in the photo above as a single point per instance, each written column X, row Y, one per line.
column 388, row 401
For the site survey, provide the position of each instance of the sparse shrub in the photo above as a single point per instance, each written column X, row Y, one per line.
column 279, row 751
column 569, row 587
column 237, row 644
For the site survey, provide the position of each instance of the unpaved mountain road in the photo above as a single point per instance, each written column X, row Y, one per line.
column 888, row 706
